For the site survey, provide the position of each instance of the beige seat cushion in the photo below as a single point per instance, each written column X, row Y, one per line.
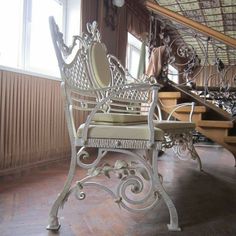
column 174, row 125
column 118, row 118
column 99, row 64
column 137, row 132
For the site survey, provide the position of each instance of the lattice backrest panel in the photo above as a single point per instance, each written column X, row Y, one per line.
column 77, row 74
column 73, row 60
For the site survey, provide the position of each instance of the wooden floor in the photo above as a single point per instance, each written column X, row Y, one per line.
column 206, row 202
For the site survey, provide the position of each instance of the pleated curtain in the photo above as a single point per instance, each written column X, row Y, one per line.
column 32, row 122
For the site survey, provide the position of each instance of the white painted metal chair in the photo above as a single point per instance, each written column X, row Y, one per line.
column 95, row 82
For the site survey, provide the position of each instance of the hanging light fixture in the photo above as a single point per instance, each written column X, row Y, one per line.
column 118, row 3
column 111, row 9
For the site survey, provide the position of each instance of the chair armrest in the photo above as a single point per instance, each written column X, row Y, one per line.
column 175, row 108
column 129, row 88
column 130, row 93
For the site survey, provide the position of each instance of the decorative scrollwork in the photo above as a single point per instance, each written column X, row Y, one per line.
column 185, row 51
column 182, row 150
column 79, row 194
column 200, row 61
column 185, row 59
column 121, row 169
column 83, row 155
column 92, row 28
column 218, row 87
column 130, row 193
column 181, row 143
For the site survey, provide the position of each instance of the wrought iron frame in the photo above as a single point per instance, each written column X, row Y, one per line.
column 82, row 93
column 177, row 46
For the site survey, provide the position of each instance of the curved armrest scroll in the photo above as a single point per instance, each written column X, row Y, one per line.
column 178, row 106
column 125, row 88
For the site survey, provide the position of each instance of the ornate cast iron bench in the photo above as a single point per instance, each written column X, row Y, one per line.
column 96, row 83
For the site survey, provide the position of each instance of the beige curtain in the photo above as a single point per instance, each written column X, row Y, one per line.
column 32, row 122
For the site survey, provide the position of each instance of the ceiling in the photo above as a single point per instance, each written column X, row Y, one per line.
column 219, row 15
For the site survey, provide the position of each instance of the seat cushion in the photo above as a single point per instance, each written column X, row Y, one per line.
column 136, row 132
column 119, row 119
column 174, row 125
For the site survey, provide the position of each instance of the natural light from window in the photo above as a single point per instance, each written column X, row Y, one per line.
column 11, row 15
column 133, row 55
column 41, row 53
column 173, row 74
column 25, row 41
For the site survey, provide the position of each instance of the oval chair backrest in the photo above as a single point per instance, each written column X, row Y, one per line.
column 99, row 65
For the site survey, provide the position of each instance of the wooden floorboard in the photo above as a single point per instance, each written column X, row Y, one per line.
column 206, row 201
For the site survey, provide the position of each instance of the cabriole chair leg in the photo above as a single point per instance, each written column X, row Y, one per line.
column 174, row 222
column 62, row 196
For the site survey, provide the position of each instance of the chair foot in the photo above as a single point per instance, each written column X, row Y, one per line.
column 53, row 224
column 174, row 222
column 173, row 227
column 63, row 196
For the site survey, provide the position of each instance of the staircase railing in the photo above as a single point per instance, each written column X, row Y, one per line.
column 190, row 23
column 203, row 57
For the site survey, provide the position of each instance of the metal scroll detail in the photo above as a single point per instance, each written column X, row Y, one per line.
column 218, row 87
column 182, row 55
column 204, row 64
column 182, row 145
column 131, row 176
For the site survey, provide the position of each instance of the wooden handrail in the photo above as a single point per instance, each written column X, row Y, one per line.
column 190, row 23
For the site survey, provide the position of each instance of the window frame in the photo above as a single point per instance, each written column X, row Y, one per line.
column 134, row 45
column 23, row 65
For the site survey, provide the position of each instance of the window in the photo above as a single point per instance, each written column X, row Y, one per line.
column 25, row 41
column 133, row 55
column 173, row 74
column 40, row 55
column 11, row 14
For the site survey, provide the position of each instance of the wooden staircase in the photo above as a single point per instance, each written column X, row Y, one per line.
column 211, row 121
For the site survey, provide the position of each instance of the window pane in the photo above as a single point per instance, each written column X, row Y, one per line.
column 11, row 15
column 134, row 61
column 133, row 55
column 41, row 53
column 73, row 20
column 173, row 74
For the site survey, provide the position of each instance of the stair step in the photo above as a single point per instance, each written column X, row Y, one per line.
column 168, row 95
column 215, row 124
column 184, row 112
column 197, row 109
column 230, row 139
